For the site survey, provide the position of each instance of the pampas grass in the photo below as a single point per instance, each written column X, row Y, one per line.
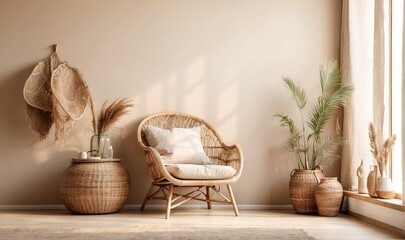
column 372, row 134
column 110, row 114
column 380, row 153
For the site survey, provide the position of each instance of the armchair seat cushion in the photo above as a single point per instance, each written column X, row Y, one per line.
column 200, row 172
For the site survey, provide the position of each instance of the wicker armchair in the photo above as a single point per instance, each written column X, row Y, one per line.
column 165, row 186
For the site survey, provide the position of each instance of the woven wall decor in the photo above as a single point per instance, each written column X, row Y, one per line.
column 56, row 93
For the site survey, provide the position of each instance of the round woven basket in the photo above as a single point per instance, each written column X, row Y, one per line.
column 328, row 196
column 95, row 186
column 302, row 190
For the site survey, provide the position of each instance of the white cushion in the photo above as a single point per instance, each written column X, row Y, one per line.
column 200, row 172
column 179, row 145
column 158, row 138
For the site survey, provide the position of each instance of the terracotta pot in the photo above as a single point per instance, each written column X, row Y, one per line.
column 372, row 181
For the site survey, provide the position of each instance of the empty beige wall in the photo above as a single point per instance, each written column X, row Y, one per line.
column 220, row 60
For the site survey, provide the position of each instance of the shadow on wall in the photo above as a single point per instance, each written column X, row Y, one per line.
column 13, row 116
column 133, row 159
column 22, row 178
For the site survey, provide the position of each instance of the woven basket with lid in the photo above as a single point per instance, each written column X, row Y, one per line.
column 95, row 186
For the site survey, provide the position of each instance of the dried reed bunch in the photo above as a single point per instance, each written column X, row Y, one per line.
column 381, row 153
column 110, row 114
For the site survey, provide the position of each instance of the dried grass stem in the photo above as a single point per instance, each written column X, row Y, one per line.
column 110, row 114
column 380, row 153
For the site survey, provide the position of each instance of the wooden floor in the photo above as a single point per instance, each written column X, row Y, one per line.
column 341, row 227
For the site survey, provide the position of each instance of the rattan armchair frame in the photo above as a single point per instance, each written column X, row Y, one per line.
column 171, row 189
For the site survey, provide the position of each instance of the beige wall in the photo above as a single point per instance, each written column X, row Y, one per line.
column 220, row 60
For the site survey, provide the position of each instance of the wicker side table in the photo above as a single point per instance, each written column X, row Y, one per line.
column 95, row 186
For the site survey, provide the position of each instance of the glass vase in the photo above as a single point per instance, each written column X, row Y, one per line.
column 100, row 146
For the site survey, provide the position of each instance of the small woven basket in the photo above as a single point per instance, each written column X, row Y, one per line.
column 95, row 186
column 328, row 196
column 386, row 194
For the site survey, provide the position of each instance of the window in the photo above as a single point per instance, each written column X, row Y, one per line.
column 395, row 88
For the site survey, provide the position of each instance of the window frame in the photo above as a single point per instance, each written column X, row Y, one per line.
column 396, row 12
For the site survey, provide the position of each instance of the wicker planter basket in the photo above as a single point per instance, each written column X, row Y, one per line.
column 302, row 190
column 328, row 196
column 95, row 186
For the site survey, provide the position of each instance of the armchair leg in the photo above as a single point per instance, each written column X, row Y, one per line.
column 208, row 197
column 147, row 197
column 235, row 208
column 169, row 201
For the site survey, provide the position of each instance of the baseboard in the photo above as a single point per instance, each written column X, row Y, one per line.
column 136, row 207
column 240, row 207
column 32, row 207
column 377, row 223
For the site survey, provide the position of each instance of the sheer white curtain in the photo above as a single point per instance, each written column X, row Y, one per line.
column 364, row 64
column 403, row 107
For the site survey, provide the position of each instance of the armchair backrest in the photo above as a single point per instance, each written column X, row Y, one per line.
column 211, row 141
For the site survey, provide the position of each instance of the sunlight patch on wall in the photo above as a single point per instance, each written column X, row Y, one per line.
column 41, row 152
column 227, row 105
column 170, row 100
column 155, row 96
column 194, row 91
column 180, row 90
column 195, row 72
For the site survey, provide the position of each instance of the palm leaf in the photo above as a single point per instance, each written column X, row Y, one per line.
column 330, row 76
column 323, row 111
column 326, row 150
column 294, row 141
column 295, row 135
column 297, row 92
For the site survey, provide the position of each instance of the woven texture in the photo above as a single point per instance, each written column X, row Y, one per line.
column 218, row 152
column 385, row 188
column 70, row 90
column 96, row 187
column 39, row 121
column 386, row 194
column 70, row 97
column 328, row 196
column 214, row 147
column 37, row 89
column 302, row 190
column 55, row 93
column 38, row 96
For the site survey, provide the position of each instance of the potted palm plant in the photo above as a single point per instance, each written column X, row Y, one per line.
column 309, row 141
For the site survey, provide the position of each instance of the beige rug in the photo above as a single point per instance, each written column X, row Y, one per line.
column 140, row 232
